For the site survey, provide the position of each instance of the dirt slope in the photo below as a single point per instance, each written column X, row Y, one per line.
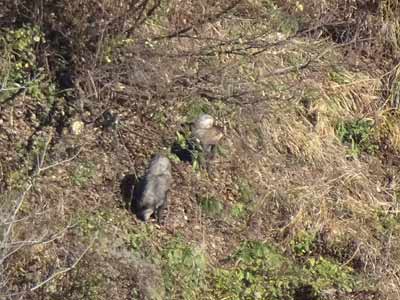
column 301, row 201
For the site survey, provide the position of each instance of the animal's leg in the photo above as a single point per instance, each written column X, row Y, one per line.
column 160, row 209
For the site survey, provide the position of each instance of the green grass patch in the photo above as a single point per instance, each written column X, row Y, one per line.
column 141, row 242
column 245, row 201
column 388, row 222
column 91, row 224
column 239, row 210
column 211, row 206
column 92, row 285
column 83, row 173
column 262, row 272
column 341, row 76
column 326, row 274
column 303, row 243
column 188, row 150
column 246, row 191
column 195, row 108
column 281, row 21
column 358, row 134
column 19, row 69
column 184, row 269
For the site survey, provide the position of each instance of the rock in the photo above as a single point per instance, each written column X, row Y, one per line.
column 76, row 127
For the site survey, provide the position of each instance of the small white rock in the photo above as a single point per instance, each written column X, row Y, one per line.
column 77, row 127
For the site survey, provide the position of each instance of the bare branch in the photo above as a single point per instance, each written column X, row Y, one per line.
column 9, row 248
column 14, row 215
column 209, row 19
column 40, row 160
column 54, row 275
column 61, row 162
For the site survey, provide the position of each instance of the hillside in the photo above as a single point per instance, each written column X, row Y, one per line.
column 302, row 199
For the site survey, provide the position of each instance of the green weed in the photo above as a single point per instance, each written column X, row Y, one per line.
column 211, row 206
column 184, row 269
column 279, row 19
column 340, row 76
column 326, row 274
column 90, row 224
column 185, row 149
column 19, row 69
column 388, row 222
column 246, row 197
column 160, row 117
column 259, row 255
column 181, row 139
column 238, row 210
column 91, row 288
column 113, row 49
column 83, row 173
column 303, row 244
column 195, row 108
column 18, row 178
column 246, row 192
column 141, row 242
column 357, row 134
column 262, row 272
column 252, row 278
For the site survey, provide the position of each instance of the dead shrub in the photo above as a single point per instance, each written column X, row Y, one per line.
column 370, row 26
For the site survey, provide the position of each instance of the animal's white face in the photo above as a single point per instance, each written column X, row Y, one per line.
column 204, row 121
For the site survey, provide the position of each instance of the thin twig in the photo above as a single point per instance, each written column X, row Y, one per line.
column 17, row 208
column 51, row 277
column 210, row 19
column 352, row 257
column 40, row 160
column 61, row 162
column 5, row 246
column 55, row 274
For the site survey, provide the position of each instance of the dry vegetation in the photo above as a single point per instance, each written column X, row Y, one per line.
column 302, row 201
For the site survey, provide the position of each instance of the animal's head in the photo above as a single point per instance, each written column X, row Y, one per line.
column 159, row 165
column 145, row 214
column 204, row 121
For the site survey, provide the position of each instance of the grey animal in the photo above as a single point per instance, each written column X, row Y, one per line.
column 206, row 133
column 151, row 195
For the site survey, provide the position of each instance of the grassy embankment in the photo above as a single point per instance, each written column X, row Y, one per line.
column 302, row 201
